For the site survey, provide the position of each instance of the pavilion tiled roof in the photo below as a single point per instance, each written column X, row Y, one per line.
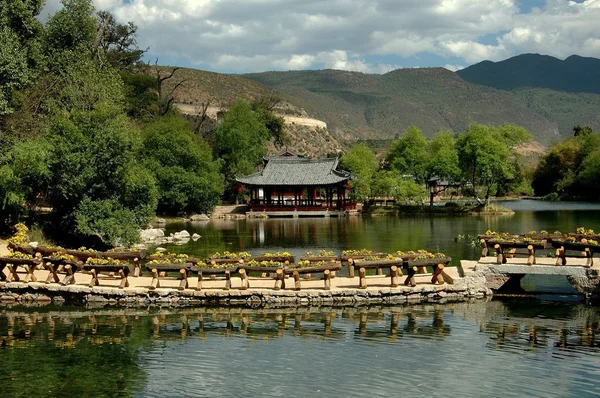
column 297, row 171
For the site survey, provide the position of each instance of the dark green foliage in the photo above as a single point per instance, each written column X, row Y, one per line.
column 485, row 158
column 240, row 142
column 408, row 154
column 19, row 49
column 141, row 98
column 94, row 171
column 363, row 164
column 570, row 169
column 116, row 42
column 188, row 178
column 272, row 122
column 579, row 130
column 67, row 143
column 24, row 176
column 107, row 219
column 72, row 28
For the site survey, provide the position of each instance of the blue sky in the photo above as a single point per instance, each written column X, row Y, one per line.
column 373, row 36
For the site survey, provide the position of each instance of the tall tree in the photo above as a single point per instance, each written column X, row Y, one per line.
column 240, row 141
column 20, row 55
column 363, row 164
column 408, row 154
column 442, row 157
column 274, row 124
column 484, row 154
column 72, row 28
column 115, row 42
column 96, row 187
column 188, row 178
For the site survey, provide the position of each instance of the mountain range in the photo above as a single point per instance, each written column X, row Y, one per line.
column 545, row 95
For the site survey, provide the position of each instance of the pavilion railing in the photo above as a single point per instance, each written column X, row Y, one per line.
column 301, row 205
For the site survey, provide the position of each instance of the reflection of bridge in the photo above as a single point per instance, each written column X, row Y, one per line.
column 69, row 328
column 507, row 325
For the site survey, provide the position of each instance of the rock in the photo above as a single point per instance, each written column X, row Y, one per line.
column 199, row 217
column 151, row 234
column 182, row 234
column 161, row 249
column 139, row 246
column 195, row 237
column 160, row 221
column 34, row 244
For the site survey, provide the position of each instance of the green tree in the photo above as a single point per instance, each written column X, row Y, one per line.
column 70, row 29
column 443, row 157
column 19, row 49
column 115, row 42
column 240, row 141
column 408, row 154
column 274, row 124
column 484, row 154
column 93, row 172
column 582, row 130
column 409, row 190
column 188, row 178
column 567, row 169
column 24, row 177
column 363, row 164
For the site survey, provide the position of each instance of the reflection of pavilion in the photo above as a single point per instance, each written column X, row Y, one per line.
column 293, row 185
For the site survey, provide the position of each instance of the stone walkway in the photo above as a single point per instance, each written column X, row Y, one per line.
column 344, row 291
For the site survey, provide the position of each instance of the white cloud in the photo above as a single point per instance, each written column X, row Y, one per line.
column 454, row 68
column 348, row 34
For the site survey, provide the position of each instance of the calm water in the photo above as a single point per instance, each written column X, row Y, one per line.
column 386, row 234
column 493, row 349
column 535, row 347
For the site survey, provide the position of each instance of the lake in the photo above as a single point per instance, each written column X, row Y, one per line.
column 542, row 346
column 530, row 348
column 383, row 233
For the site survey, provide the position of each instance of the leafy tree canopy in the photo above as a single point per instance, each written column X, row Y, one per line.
column 363, row 164
column 182, row 163
column 484, row 152
column 240, row 141
column 408, row 154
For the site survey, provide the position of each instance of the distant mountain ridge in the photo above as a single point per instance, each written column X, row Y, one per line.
column 368, row 106
column 377, row 108
column 574, row 74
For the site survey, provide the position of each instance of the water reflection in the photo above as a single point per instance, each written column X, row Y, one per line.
column 506, row 323
column 167, row 352
column 386, row 234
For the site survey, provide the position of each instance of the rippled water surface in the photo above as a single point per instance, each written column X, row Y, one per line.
column 496, row 349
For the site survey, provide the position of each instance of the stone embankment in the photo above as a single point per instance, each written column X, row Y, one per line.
column 472, row 279
column 344, row 292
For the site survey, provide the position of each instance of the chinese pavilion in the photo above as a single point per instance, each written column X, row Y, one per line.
column 291, row 184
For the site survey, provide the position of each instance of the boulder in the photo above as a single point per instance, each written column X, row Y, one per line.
column 181, row 235
column 195, row 237
column 34, row 244
column 151, row 234
column 161, row 221
column 199, row 217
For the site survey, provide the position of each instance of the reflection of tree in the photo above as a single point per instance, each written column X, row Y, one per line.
column 516, row 326
column 70, row 356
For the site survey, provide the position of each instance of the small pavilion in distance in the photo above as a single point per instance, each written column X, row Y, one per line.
column 291, row 185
